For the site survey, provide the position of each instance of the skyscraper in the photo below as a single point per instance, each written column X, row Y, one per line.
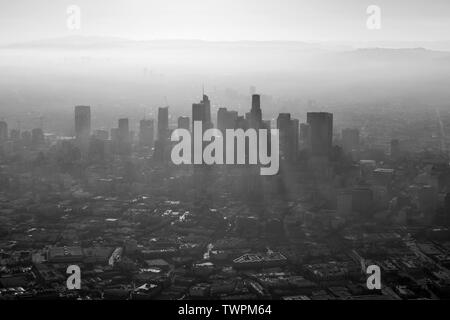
column 161, row 150
column 321, row 133
column 226, row 119
column 83, row 127
column 202, row 112
column 289, row 134
column 163, row 123
column 124, row 137
column 146, row 133
column 255, row 112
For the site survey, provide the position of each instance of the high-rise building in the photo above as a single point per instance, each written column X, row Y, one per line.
column 3, row 131
column 83, row 127
column 226, row 119
column 255, row 117
column 124, row 137
column 161, row 149
column 289, row 134
column 163, row 123
column 205, row 101
column 350, row 140
column 202, row 112
column 183, row 123
column 146, row 132
column 321, row 133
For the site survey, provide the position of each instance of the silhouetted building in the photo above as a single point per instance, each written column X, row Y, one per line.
column 202, row 112
column 124, row 137
column 161, row 144
column 226, row 119
column 255, row 118
column 163, row 123
column 289, row 134
column 321, row 133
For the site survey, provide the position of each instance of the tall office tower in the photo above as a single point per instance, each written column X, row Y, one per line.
column 202, row 112
column 289, row 133
column 163, row 123
column 83, row 127
column 161, row 152
column 37, row 137
column 226, row 120
column 255, row 117
column 146, row 133
column 183, row 123
column 321, row 133
column 350, row 140
column 124, row 137
column 3, row 131
column 295, row 132
column 207, row 105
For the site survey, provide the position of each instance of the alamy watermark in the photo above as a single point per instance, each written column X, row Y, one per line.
column 240, row 146
column 374, row 19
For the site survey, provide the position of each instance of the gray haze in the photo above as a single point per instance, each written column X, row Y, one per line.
column 124, row 61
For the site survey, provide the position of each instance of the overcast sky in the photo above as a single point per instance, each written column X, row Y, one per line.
column 313, row 20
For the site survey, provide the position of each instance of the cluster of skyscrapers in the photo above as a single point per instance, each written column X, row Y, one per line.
column 315, row 135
